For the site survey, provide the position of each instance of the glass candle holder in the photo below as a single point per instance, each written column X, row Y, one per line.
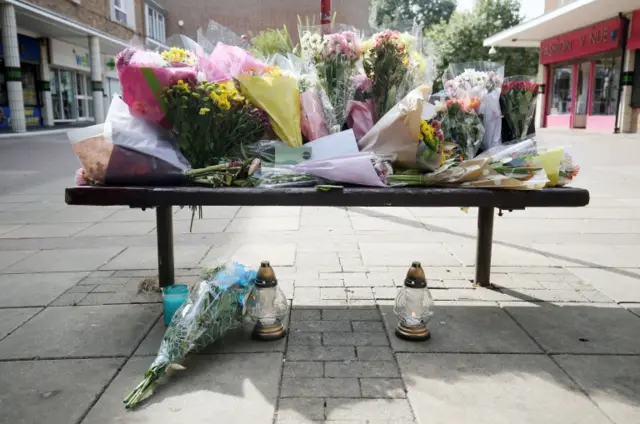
column 172, row 299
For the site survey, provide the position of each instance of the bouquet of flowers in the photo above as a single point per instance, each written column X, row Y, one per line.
column 315, row 107
column 335, row 56
column 278, row 95
column 481, row 80
column 145, row 75
column 518, row 104
column 211, row 120
column 362, row 168
column 214, row 307
column 395, row 65
column 361, row 117
column 431, row 145
column 461, row 125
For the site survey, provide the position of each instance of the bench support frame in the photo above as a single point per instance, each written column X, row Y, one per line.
column 166, row 270
column 164, row 230
column 483, row 246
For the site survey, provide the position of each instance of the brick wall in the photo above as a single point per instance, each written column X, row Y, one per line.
column 96, row 14
column 243, row 16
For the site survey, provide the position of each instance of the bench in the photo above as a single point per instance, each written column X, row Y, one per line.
column 164, row 198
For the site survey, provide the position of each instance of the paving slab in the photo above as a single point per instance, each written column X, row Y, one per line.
column 81, row 214
column 240, row 388
column 593, row 255
column 46, row 230
column 8, row 258
column 61, row 260
column 399, row 254
column 185, row 256
column 621, row 285
column 501, row 255
column 263, row 225
column 10, row 319
column 493, row 389
column 612, row 382
column 81, row 331
column 200, row 226
column 54, row 391
column 579, row 328
column 102, row 229
column 395, row 410
column 128, row 214
column 465, row 327
column 269, row 211
column 278, row 254
column 234, row 341
column 208, row 212
column 35, row 289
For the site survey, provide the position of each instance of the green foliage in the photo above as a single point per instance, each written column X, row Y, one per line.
column 461, row 39
column 272, row 41
column 391, row 13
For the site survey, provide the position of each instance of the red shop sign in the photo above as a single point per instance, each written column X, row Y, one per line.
column 634, row 37
column 583, row 42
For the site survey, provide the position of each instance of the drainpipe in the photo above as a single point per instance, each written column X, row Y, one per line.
column 625, row 36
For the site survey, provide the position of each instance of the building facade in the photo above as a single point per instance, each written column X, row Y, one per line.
column 57, row 57
column 253, row 16
column 589, row 70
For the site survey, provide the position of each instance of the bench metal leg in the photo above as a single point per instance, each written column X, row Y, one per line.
column 164, row 230
column 483, row 248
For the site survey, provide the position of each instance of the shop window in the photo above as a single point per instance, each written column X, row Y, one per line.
column 561, row 91
column 635, row 93
column 606, row 86
column 155, row 24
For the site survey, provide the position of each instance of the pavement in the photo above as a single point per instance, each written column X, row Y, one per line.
column 556, row 341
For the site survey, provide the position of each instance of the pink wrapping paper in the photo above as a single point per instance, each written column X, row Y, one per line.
column 355, row 168
column 226, row 62
column 360, row 117
column 144, row 80
column 312, row 120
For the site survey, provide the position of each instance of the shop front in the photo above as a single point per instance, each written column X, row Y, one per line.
column 584, row 76
column 70, row 81
column 28, row 73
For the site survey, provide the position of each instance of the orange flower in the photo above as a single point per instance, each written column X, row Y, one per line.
column 474, row 103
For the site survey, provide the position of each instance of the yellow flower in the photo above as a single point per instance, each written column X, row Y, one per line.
column 196, row 95
column 204, row 110
column 176, row 54
column 426, row 131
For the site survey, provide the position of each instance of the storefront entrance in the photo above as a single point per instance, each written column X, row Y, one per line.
column 71, row 96
column 584, row 77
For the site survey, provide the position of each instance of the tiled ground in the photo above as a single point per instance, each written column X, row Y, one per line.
column 555, row 340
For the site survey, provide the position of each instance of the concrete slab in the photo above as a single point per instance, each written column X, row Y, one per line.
column 235, row 341
column 592, row 255
column 208, row 212
column 88, row 214
column 278, row 254
column 35, row 289
column 621, row 285
column 200, row 226
column 238, row 388
column 127, row 214
column 8, row 258
column 269, row 212
column 68, row 332
column 465, row 327
column 493, row 389
column 185, row 256
column 61, row 260
column 10, row 319
column 579, row 328
column 263, row 225
column 501, row 255
column 612, row 382
column 52, row 392
column 46, row 230
column 117, row 229
column 399, row 254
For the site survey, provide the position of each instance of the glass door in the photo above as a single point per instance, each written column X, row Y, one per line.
column 62, row 95
column 582, row 95
column 83, row 99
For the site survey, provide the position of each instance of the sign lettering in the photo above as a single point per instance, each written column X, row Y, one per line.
column 583, row 42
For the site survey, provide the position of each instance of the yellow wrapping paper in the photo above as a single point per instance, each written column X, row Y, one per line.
column 488, row 178
column 398, row 132
column 550, row 162
column 279, row 97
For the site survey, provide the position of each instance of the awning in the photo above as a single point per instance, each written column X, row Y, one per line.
column 49, row 24
column 576, row 15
